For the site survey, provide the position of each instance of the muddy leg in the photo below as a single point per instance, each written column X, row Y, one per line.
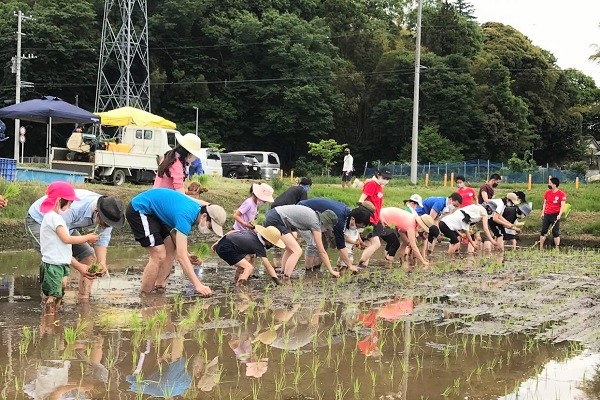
column 84, row 287
column 157, row 256
column 166, row 265
column 372, row 245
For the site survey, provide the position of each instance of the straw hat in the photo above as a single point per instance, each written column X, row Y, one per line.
column 271, row 234
column 263, row 192
column 190, row 142
column 425, row 221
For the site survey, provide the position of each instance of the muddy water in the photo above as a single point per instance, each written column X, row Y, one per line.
column 306, row 340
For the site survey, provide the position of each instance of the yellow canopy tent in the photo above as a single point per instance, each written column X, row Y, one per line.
column 134, row 116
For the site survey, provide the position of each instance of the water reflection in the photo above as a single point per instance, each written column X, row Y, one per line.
column 245, row 344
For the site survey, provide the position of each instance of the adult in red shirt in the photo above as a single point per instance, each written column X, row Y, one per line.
column 554, row 204
column 466, row 192
column 373, row 192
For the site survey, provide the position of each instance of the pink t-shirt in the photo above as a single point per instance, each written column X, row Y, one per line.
column 249, row 210
column 400, row 218
column 175, row 181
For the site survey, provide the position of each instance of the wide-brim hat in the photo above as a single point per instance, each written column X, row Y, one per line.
column 217, row 215
column 425, row 222
column 112, row 211
column 328, row 219
column 271, row 234
column 263, row 192
column 190, row 142
column 57, row 190
column 525, row 209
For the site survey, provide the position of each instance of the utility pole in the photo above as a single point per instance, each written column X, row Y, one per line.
column 17, row 71
column 196, row 108
column 415, row 128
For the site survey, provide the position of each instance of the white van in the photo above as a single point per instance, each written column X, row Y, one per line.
column 267, row 161
column 211, row 162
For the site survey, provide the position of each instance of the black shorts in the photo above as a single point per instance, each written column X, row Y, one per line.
column 495, row 230
column 228, row 253
column 449, row 233
column 549, row 221
column 379, row 230
column 148, row 230
column 274, row 219
column 392, row 241
column 346, row 176
column 509, row 236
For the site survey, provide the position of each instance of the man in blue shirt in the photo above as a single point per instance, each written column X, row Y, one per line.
column 92, row 210
column 359, row 216
column 437, row 206
column 163, row 230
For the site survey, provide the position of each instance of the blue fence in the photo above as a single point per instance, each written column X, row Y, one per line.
column 475, row 171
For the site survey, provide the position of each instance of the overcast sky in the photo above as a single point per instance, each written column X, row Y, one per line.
column 567, row 29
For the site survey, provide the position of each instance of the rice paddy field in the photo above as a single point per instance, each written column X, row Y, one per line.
column 520, row 325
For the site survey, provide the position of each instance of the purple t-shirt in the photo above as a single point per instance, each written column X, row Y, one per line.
column 249, row 210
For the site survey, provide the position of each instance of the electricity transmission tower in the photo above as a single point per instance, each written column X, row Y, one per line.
column 124, row 67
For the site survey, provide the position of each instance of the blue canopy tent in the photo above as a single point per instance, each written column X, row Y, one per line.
column 48, row 110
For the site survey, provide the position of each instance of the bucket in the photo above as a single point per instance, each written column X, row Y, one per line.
column 8, row 169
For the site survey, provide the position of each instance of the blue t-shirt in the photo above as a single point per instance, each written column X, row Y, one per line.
column 432, row 203
column 174, row 209
column 321, row 204
column 196, row 167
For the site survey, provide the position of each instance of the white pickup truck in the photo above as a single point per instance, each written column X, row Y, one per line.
column 134, row 158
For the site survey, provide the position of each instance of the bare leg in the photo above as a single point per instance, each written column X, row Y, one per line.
column 292, row 254
column 372, row 245
column 165, row 267
column 542, row 240
column 157, row 256
column 84, row 288
column 247, row 270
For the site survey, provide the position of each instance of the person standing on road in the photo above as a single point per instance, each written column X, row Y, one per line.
column 103, row 213
column 554, row 204
column 486, row 192
column 174, row 167
column 163, row 231
column 348, row 168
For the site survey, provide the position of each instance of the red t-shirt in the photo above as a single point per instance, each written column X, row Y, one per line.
column 374, row 192
column 553, row 200
column 467, row 194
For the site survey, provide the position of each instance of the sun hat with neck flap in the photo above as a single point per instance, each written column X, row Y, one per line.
column 57, row 190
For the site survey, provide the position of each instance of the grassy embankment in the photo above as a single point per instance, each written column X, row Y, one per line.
column 584, row 219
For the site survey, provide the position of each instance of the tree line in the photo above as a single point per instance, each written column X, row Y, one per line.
column 277, row 75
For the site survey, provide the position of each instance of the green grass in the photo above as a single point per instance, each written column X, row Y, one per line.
column 230, row 193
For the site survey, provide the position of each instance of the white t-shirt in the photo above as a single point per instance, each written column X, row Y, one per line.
column 348, row 163
column 500, row 205
column 455, row 221
column 352, row 233
column 476, row 211
column 54, row 251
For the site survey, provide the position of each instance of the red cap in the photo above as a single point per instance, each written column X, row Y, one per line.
column 57, row 190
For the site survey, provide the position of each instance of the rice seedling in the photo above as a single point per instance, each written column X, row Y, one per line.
column 280, row 381
column 8, row 189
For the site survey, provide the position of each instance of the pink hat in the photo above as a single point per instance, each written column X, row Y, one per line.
column 263, row 192
column 57, row 190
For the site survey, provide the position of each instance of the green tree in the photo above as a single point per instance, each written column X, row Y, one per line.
column 433, row 147
column 326, row 150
